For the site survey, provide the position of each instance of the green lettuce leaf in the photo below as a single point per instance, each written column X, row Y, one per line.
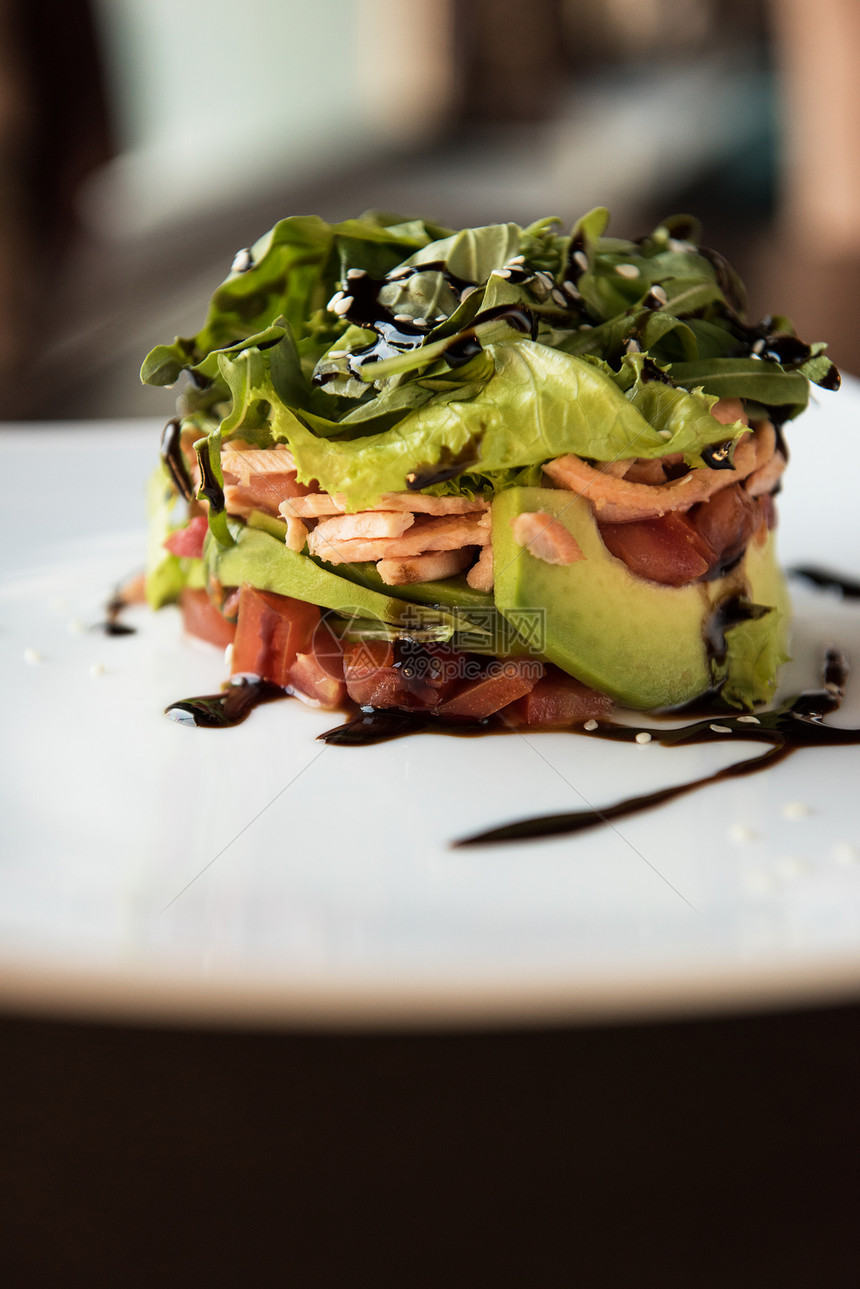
column 755, row 655
column 540, row 403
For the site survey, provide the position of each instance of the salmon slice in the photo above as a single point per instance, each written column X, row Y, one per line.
column 546, row 538
column 322, row 503
column 619, row 500
column 262, row 492
column 480, row 575
column 278, row 460
column 443, row 533
column 424, row 568
column 366, row 524
column 297, row 534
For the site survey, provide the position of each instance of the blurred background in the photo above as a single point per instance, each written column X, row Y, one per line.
column 142, row 142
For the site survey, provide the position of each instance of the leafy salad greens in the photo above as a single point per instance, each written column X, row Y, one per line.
column 393, row 354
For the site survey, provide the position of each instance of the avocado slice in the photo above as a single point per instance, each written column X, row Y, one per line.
column 642, row 643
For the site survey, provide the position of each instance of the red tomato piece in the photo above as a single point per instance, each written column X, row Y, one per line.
column 502, row 683
column 271, row 630
column 726, row 522
column 201, row 618
column 667, row 549
column 188, row 540
column 369, row 672
column 312, row 680
column 560, row 700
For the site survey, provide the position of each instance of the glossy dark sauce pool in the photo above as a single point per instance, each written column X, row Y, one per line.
column 796, row 724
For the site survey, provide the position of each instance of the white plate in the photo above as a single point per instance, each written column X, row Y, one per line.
column 255, row 875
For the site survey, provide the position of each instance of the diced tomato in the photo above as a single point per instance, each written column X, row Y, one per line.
column 414, row 677
column 327, row 649
column 502, row 683
column 560, row 700
column 313, row 681
column 369, row 672
column 726, row 522
column 667, row 549
column 271, row 630
column 201, row 618
column 188, row 540
column 318, row 674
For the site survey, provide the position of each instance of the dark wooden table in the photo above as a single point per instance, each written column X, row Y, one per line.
column 707, row 1154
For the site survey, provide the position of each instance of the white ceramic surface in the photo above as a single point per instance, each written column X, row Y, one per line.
column 255, row 875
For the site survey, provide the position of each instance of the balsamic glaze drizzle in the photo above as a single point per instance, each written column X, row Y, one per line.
column 827, row 580
column 231, row 707
column 112, row 626
column 173, row 458
column 796, row 724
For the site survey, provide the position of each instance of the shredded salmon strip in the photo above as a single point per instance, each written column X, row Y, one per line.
column 424, row 568
column 443, row 533
column 764, row 478
column 617, row 500
column 297, row 534
column 480, row 575
column 261, row 492
column 277, row 460
column 546, row 538
column 324, row 503
column 366, row 524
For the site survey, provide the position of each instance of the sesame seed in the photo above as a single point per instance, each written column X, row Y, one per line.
column 337, row 353
column 633, row 347
column 748, row 720
column 570, row 287
column 228, row 656
column 343, row 305
column 627, row 270
column 396, row 274
column 585, row 326
column 440, row 317
column 721, row 729
column 795, row 810
column 336, row 298
column 97, row 669
column 742, row 832
column 643, row 737
column 657, row 293
column 75, row 627
column 665, row 434
column 676, row 244
column 580, row 258
column 758, row 347
column 558, row 296
column 844, row 853
column 464, row 295
column 32, row 657
column 242, row 261
column 590, row 725
column 517, row 259
column 545, row 280
column 404, row 317
column 506, row 273
column 352, row 274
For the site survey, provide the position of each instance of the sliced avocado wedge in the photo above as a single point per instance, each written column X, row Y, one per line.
column 261, row 559
column 642, row 643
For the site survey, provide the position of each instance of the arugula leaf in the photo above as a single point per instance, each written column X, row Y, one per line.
column 539, row 404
